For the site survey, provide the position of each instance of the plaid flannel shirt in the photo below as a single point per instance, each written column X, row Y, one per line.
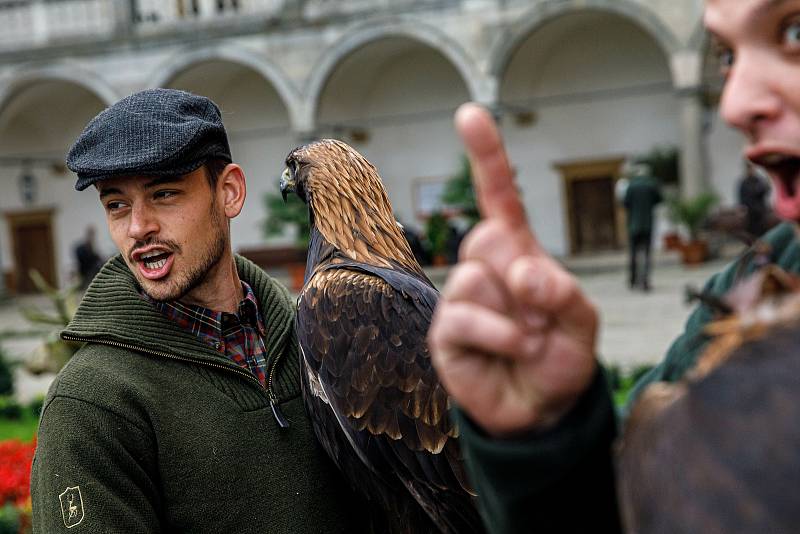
column 239, row 336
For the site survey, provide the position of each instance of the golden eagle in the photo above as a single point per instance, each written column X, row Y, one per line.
column 362, row 316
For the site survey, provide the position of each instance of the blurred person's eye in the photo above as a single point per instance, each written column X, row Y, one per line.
column 725, row 57
column 790, row 34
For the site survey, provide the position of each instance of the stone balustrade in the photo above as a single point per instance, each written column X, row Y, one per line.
column 29, row 24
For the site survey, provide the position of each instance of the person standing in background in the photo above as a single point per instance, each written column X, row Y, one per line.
column 641, row 196
column 753, row 196
column 89, row 262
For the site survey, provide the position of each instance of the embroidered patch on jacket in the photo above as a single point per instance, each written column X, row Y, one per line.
column 71, row 506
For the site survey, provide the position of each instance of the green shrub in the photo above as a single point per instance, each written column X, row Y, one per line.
column 436, row 231
column 35, row 406
column 9, row 519
column 281, row 214
column 10, row 408
column 663, row 163
column 622, row 381
column 6, row 375
column 459, row 192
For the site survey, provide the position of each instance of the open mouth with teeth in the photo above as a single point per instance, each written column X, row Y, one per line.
column 154, row 264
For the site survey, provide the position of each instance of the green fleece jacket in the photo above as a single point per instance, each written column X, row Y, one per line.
column 562, row 480
column 147, row 429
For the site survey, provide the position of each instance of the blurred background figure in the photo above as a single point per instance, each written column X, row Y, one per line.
column 641, row 196
column 753, row 191
column 87, row 258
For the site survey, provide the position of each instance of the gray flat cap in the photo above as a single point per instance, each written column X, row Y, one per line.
column 152, row 133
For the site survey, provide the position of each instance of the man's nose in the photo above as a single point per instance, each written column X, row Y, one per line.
column 750, row 99
column 143, row 222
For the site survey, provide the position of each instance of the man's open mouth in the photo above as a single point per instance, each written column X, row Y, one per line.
column 154, row 263
column 155, row 260
column 783, row 169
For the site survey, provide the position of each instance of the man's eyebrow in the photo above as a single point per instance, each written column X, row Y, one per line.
column 168, row 179
column 109, row 191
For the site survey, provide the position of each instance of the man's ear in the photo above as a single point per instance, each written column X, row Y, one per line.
column 232, row 189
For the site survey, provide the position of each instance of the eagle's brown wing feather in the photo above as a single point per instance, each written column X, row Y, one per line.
column 370, row 374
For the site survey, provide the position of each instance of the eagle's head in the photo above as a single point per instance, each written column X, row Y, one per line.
column 327, row 163
column 347, row 202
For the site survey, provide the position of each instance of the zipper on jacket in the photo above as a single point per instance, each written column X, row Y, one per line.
column 273, row 400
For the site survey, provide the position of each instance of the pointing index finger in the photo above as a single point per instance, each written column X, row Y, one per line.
column 497, row 195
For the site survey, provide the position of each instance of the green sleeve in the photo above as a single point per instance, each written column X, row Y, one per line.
column 684, row 351
column 561, row 480
column 94, row 471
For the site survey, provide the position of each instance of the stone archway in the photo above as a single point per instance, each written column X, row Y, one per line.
column 480, row 88
column 259, row 127
column 586, row 85
column 39, row 121
column 274, row 75
column 393, row 98
column 546, row 11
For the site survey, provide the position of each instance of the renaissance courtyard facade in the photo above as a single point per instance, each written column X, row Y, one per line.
column 579, row 86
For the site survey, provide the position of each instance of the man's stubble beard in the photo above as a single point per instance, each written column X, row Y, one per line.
column 195, row 276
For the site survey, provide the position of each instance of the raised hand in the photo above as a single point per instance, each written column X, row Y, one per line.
column 513, row 336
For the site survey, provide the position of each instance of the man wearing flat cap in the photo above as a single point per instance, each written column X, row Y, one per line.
column 182, row 410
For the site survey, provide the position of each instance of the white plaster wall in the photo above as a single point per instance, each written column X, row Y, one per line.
column 634, row 110
column 45, row 120
column 258, row 131
column 404, row 94
column 724, row 147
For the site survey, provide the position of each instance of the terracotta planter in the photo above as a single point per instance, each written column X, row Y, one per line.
column 672, row 241
column 694, row 252
column 439, row 260
column 297, row 274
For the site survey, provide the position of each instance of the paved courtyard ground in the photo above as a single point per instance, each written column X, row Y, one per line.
column 636, row 327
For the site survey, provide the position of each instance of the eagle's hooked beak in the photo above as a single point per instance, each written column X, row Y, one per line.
column 287, row 183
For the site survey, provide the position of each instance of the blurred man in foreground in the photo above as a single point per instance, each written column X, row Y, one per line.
column 514, row 337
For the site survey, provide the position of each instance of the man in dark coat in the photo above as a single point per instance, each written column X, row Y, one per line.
column 753, row 196
column 182, row 411
column 88, row 260
column 641, row 197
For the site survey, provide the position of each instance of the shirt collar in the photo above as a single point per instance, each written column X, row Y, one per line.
column 247, row 313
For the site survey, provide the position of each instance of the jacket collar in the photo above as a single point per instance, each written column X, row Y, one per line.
column 113, row 311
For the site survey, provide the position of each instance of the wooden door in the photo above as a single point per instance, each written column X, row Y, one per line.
column 594, row 218
column 592, row 214
column 32, row 247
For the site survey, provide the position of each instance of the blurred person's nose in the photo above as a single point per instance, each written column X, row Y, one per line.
column 750, row 97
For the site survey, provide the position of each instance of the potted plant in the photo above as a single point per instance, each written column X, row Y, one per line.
column 290, row 214
column 437, row 230
column 663, row 163
column 690, row 213
column 460, row 194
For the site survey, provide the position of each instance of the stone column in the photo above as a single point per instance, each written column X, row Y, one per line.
column 208, row 9
column 694, row 179
column 124, row 17
column 686, row 66
column 39, row 22
column 2, row 278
